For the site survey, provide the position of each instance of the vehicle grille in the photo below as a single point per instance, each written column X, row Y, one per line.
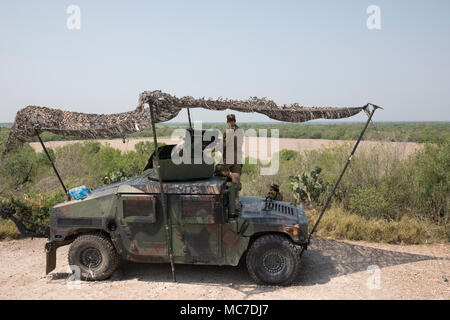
column 281, row 208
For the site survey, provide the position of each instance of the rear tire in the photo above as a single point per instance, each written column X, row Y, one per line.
column 273, row 260
column 95, row 255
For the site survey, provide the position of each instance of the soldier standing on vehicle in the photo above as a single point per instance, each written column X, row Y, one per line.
column 274, row 193
column 231, row 168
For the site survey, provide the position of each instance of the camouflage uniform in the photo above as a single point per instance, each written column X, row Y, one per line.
column 231, row 170
column 275, row 193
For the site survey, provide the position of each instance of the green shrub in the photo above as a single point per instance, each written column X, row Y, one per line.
column 34, row 208
column 114, row 177
column 286, row 155
column 370, row 202
column 432, row 179
column 145, row 148
column 250, row 167
column 91, row 148
column 18, row 168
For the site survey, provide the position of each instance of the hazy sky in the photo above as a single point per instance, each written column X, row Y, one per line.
column 316, row 53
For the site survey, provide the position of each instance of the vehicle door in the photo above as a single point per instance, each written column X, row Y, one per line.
column 197, row 227
column 141, row 218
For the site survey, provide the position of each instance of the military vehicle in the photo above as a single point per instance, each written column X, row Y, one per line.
column 126, row 220
column 177, row 214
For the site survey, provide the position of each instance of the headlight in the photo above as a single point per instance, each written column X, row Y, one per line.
column 293, row 231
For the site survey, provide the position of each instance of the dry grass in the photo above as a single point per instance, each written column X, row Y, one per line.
column 8, row 230
column 340, row 224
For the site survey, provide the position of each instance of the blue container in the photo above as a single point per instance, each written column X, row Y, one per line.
column 79, row 193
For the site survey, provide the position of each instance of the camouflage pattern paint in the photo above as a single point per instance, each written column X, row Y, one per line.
column 202, row 228
column 33, row 120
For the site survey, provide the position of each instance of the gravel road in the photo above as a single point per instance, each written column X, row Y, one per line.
column 330, row 270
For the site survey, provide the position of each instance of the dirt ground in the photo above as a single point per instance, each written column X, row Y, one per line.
column 330, row 270
column 256, row 150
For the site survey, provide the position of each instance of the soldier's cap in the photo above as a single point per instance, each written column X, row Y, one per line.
column 275, row 186
column 231, row 117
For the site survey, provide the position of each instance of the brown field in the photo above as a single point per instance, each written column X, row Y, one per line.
column 251, row 147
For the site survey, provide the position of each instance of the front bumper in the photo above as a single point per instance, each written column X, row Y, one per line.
column 50, row 254
column 50, row 257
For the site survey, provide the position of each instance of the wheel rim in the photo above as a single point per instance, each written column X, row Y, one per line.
column 273, row 262
column 91, row 258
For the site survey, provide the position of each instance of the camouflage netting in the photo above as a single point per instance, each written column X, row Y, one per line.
column 33, row 120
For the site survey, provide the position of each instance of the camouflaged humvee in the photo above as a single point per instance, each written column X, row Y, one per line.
column 129, row 219
column 125, row 220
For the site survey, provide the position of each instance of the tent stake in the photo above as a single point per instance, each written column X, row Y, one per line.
column 167, row 219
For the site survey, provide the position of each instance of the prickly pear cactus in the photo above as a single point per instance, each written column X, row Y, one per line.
column 307, row 187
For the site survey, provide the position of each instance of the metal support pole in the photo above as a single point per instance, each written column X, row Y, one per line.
column 167, row 219
column 330, row 197
column 189, row 117
column 54, row 167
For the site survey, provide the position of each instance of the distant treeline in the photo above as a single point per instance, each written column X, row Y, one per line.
column 378, row 131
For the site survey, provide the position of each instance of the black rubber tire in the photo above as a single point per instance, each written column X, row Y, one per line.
column 109, row 256
column 285, row 253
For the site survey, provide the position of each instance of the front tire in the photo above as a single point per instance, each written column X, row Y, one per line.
column 273, row 260
column 95, row 255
